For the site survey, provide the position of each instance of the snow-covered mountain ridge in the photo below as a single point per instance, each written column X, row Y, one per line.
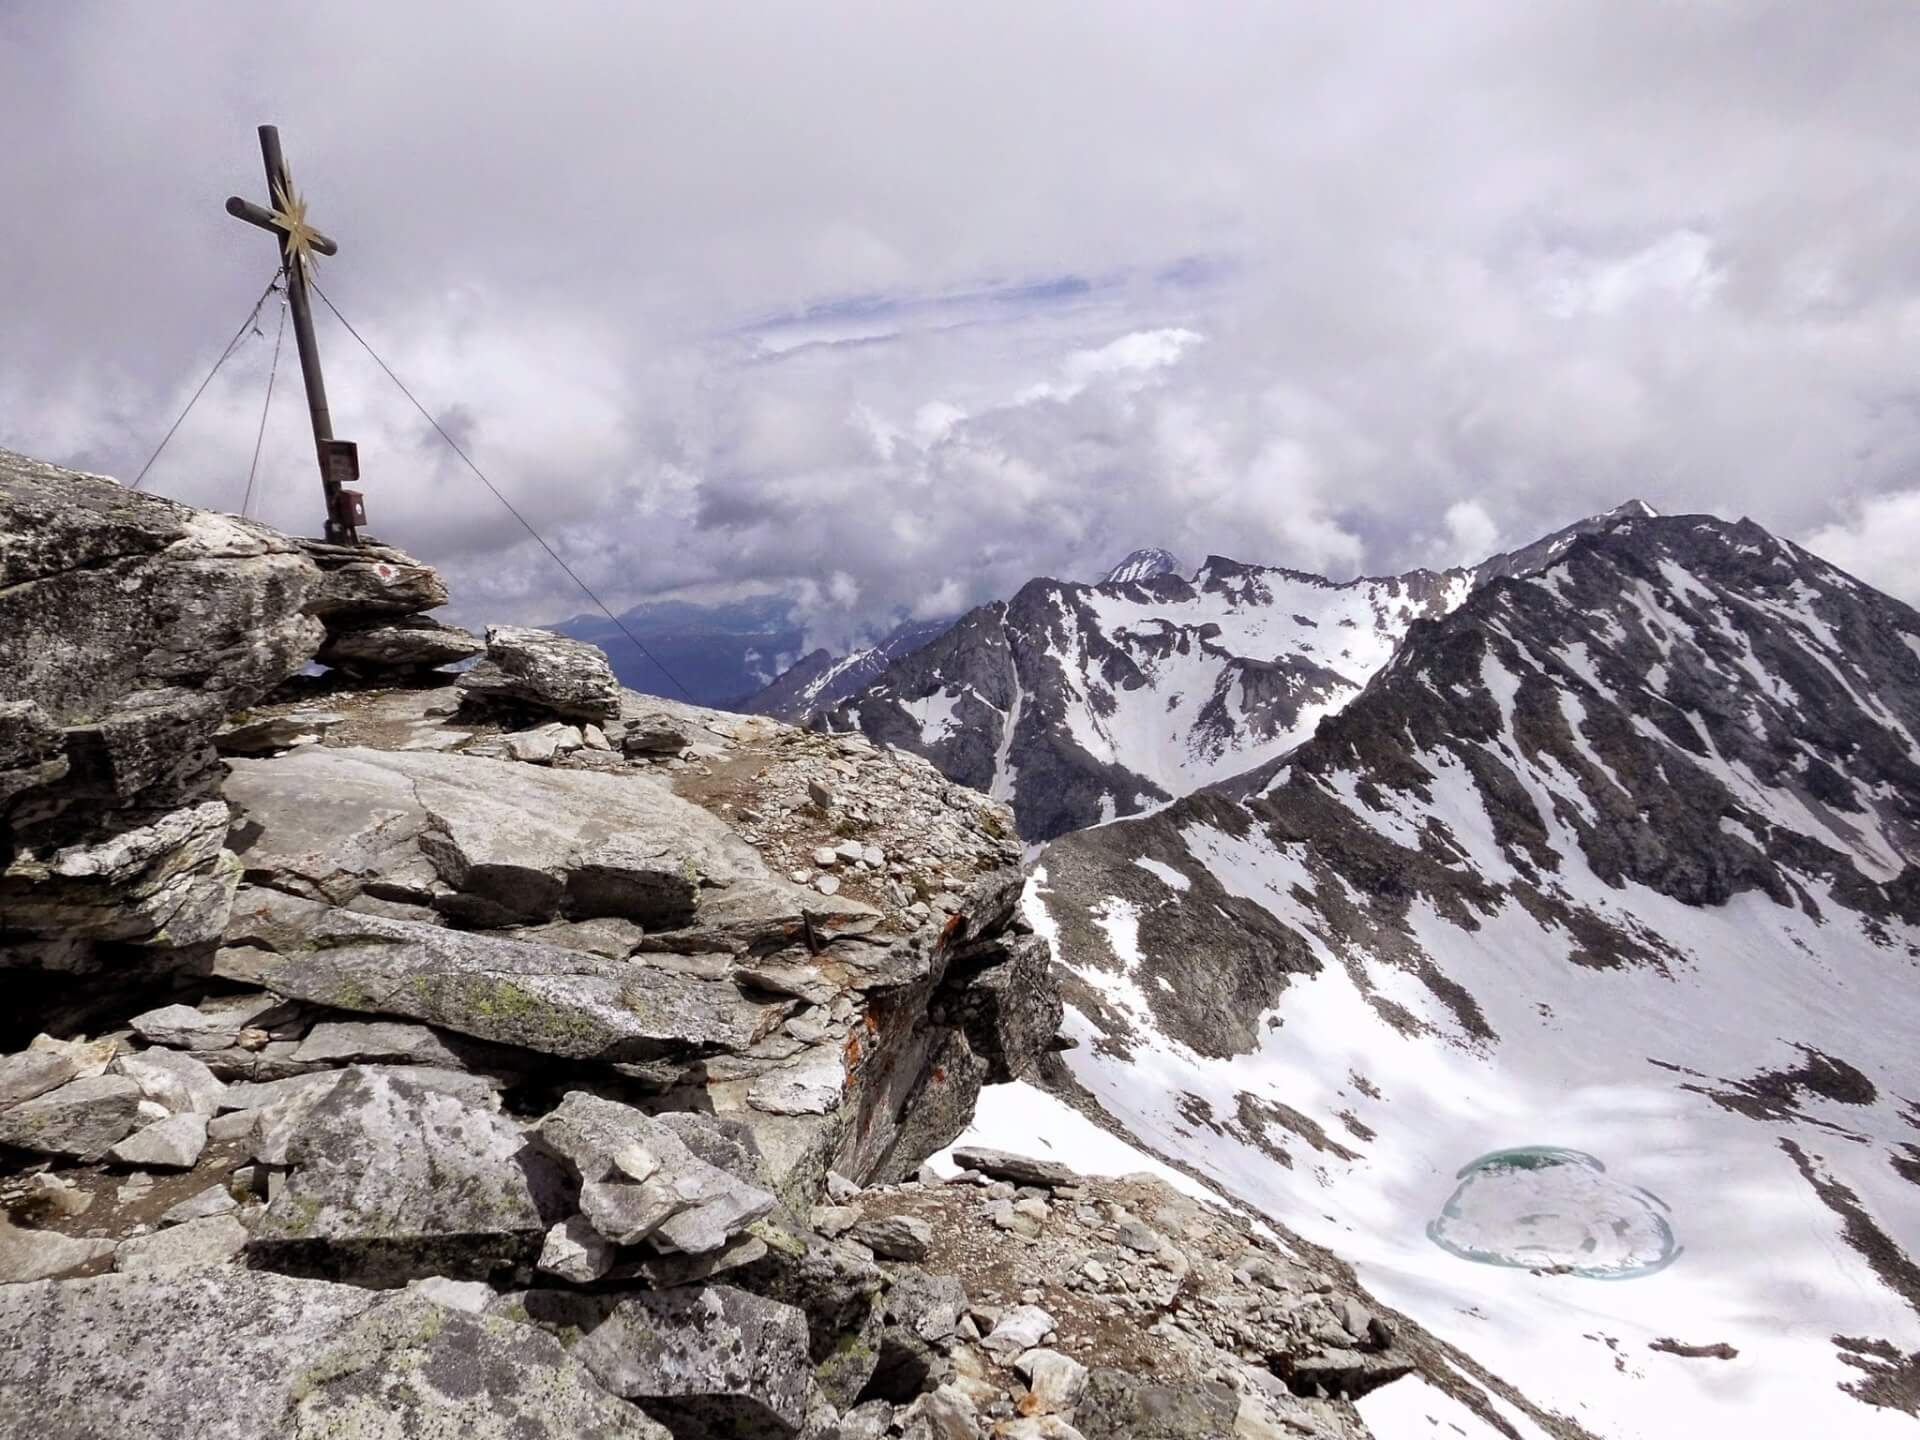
column 1582, row 947
column 820, row 679
column 1078, row 703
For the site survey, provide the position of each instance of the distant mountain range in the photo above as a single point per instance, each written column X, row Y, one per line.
column 1080, row 703
column 819, row 680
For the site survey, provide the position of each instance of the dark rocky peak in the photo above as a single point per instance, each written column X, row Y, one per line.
column 1549, row 548
column 1144, row 564
column 1693, row 704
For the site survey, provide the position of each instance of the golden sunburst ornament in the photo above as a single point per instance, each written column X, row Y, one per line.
column 290, row 214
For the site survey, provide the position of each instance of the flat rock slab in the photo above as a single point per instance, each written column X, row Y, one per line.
column 392, row 1180
column 523, row 844
column 82, row 1119
column 190, row 1245
column 246, row 1355
column 410, row 642
column 1019, row 1169
column 555, row 1002
column 41, row 1254
column 711, row 1360
column 34, row 1072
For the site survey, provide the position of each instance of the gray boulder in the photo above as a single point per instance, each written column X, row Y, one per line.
column 411, row 642
column 555, row 1002
column 920, row 1317
column 895, row 1237
column 174, row 1143
column 544, row 671
column 214, row 1200
column 163, row 882
column 105, row 592
column 178, row 1081
column 34, row 1072
column 363, row 580
column 1117, row 1406
column 339, row 1042
column 392, row 1180
column 82, row 1119
column 640, row 1181
column 231, row 1354
column 501, row 845
column 709, row 1361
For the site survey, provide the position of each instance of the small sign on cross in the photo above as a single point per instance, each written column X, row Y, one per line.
column 299, row 243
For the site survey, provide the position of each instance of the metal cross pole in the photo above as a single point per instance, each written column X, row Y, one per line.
column 299, row 243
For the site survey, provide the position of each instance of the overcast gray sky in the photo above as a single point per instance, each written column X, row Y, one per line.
column 896, row 305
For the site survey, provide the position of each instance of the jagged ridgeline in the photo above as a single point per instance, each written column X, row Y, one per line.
column 1079, row 703
column 390, row 1050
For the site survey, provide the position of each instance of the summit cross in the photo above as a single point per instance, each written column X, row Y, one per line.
column 299, row 244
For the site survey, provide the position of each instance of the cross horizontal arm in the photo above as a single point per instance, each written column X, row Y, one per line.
column 256, row 215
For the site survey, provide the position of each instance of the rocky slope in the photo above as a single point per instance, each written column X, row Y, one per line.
column 506, row 1054
column 1582, row 947
column 1079, row 703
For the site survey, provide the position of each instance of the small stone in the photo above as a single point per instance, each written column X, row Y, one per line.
column 1055, row 1382
column 873, row 855
column 895, row 1237
column 942, row 1414
column 835, row 1220
column 1021, row 1328
column 819, row 794
column 839, row 1188
column 1095, row 1272
column 575, row 1251
column 594, row 738
column 800, row 877
column 1140, row 1237
column 812, row 1088
column 827, row 884
column 174, row 1143
column 826, row 857
column 870, row 1420
column 236, row 1125
column 849, row 850
column 214, row 1200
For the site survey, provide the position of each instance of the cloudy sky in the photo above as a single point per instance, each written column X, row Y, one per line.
column 893, row 306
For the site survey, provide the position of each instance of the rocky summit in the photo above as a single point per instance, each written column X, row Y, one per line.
column 396, row 1050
